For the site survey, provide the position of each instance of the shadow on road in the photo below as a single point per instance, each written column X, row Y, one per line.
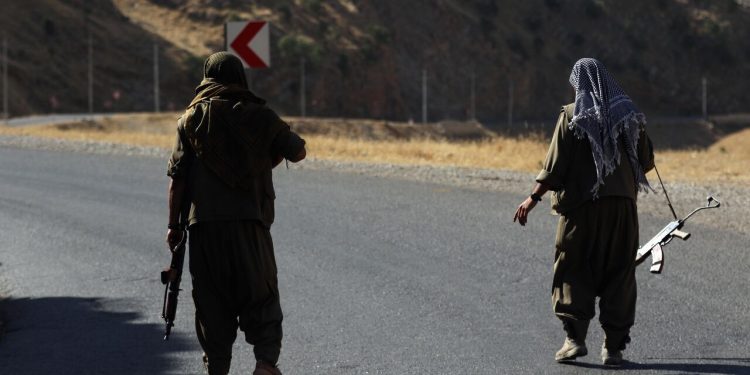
column 682, row 368
column 65, row 335
column 696, row 368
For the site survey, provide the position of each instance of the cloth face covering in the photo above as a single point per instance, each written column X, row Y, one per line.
column 603, row 113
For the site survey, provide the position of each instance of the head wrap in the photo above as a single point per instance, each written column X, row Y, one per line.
column 225, row 68
column 223, row 77
column 604, row 114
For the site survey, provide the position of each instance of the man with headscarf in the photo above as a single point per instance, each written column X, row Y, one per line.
column 227, row 142
column 595, row 166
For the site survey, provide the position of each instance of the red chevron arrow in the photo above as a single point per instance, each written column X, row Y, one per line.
column 241, row 45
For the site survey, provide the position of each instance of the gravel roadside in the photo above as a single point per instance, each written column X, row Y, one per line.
column 734, row 214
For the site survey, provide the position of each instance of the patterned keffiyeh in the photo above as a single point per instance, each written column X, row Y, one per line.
column 604, row 114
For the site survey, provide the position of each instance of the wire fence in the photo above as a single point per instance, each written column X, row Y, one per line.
column 113, row 78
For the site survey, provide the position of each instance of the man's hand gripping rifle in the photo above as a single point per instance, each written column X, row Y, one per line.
column 665, row 236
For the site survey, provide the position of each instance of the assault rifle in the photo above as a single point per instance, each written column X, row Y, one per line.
column 171, row 278
column 665, row 236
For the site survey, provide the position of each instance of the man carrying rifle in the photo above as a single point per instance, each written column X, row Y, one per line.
column 227, row 142
column 595, row 165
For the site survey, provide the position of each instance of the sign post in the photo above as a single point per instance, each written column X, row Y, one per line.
column 5, row 77
column 302, row 101
column 424, row 96
column 91, row 74
column 156, row 77
column 704, row 102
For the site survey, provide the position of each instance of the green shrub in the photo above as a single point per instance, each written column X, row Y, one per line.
column 283, row 8
column 379, row 34
column 314, row 6
column 593, row 9
column 295, row 46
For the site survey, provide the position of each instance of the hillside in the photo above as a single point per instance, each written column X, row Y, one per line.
column 48, row 54
column 365, row 58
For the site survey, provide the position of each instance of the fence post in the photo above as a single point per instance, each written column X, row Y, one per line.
column 704, row 107
column 424, row 96
column 510, row 103
column 302, row 89
column 156, row 77
column 473, row 96
column 91, row 74
column 5, row 76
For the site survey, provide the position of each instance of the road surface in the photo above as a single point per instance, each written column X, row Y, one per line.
column 377, row 276
column 52, row 119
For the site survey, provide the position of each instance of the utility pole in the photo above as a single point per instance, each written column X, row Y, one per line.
column 302, row 101
column 424, row 96
column 91, row 74
column 473, row 104
column 156, row 77
column 510, row 103
column 704, row 107
column 5, row 77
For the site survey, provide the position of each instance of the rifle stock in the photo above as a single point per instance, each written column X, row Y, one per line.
column 665, row 236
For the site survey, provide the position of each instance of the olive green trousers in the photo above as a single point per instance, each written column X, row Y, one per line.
column 233, row 270
column 595, row 257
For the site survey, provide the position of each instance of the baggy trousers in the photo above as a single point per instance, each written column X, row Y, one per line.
column 233, row 270
column 595, row 257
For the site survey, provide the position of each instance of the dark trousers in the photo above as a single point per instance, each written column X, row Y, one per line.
column 233, row 269
column 595, row 257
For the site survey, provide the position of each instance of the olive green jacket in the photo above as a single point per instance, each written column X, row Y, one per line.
column 234, row 182
column 570, row 172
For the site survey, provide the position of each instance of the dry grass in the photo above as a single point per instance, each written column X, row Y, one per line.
column 524, row 154
column 725, row 161
column 88, row 131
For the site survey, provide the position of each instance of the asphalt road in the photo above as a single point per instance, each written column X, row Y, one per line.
column 52, row 119
column 377, row 276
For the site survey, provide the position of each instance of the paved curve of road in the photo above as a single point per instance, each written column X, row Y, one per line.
column 53, row 119
column 377, row 276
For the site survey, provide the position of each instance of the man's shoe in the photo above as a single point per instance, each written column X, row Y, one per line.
column 612, row 358
column 571, row 350
column 265, row 368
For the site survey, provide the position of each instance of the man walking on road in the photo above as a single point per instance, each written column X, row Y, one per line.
column 227, row 142
column 595, row 165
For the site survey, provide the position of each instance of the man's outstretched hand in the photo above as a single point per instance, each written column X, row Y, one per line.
column 522, row 213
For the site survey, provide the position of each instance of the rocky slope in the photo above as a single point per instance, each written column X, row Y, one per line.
column 365, row 58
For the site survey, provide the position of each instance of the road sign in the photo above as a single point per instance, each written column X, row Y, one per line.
column 249, row 42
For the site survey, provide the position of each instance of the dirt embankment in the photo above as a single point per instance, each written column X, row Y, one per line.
column 667, row 133
column 150, row 124
column 715, row 151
